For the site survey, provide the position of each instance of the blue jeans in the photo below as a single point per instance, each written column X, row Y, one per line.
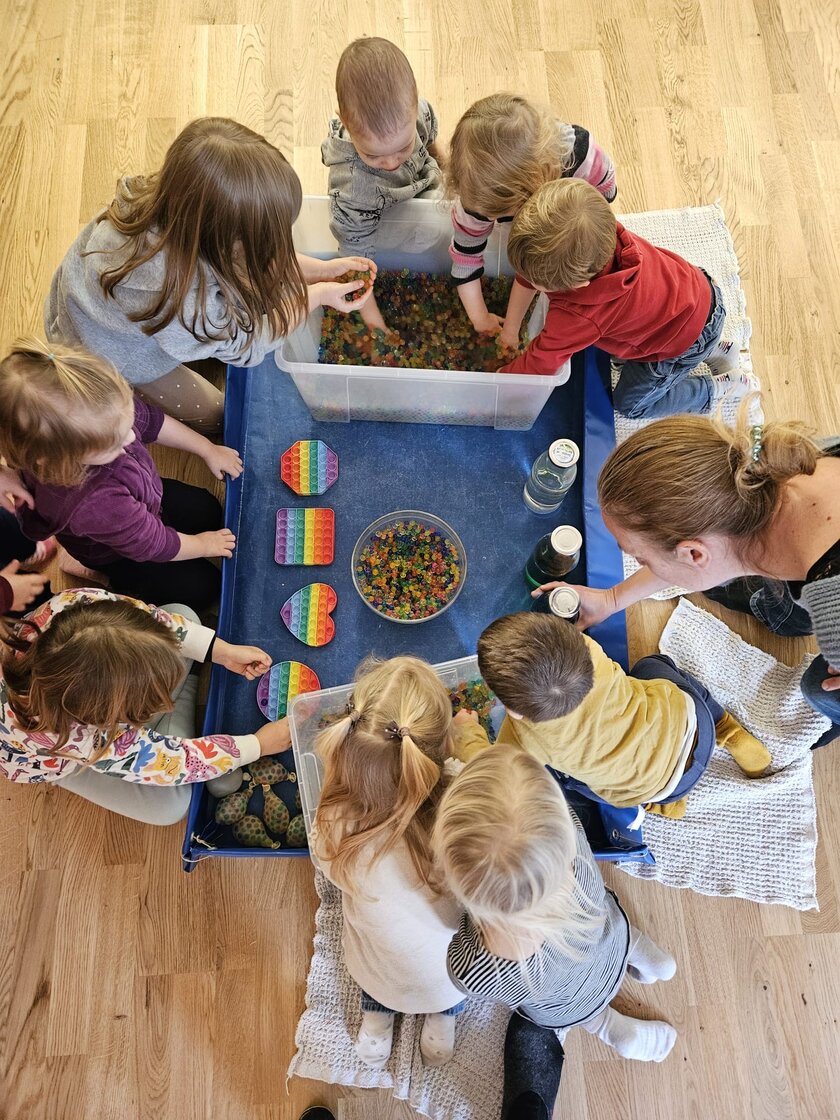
column 666, row 387
column 368, row 1003
column 826, row 703
column 658, row 667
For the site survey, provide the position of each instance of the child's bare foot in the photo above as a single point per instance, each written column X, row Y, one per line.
column 72, row 567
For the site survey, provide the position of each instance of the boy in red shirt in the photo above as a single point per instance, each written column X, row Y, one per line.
column 646, row 306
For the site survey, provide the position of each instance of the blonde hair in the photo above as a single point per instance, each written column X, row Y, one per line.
column 58, row 406
column 684, row 477
column 563, row 235
column 375, row 87
column 383, row 766
column 505, row 844
column 102, row 664
column 219, row 211
column 503, row 149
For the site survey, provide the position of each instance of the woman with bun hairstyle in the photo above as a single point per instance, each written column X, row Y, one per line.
column 753, row 507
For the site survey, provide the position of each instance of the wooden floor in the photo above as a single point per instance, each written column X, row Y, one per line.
column 129, row 990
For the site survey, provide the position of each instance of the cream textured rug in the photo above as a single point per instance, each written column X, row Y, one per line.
column 751, row 838
column 700, row 235
column 469, row 1087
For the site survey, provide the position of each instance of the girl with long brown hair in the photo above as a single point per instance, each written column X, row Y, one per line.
column 196, row 261
column 383, row 778
column 95, row 688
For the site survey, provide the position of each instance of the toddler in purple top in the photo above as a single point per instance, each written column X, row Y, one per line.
column 73, row 428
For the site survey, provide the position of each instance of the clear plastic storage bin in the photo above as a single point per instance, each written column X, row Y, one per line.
column 413, row 235
column 307, row 711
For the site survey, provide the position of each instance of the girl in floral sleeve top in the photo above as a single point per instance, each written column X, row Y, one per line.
column 84, row 675
column 503, row 149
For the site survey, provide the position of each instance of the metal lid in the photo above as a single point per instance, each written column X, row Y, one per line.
column 564, row 453
column 566, row 540
column 563, row 601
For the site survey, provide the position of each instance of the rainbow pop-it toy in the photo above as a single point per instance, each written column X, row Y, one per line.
column 304, row 536
column 309, row 467
column 281, row 684
column 307, row 614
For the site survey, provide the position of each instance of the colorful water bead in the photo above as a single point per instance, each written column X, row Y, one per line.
column 304, row 536
column 281, row 684
column 475, row 696
column 428, row 327
column 307, row 614
column 309, row 467
column 408, row 570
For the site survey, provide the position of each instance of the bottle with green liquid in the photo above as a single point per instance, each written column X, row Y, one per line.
column 556, row 554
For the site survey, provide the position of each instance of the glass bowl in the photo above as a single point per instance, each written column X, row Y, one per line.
column 387, row 601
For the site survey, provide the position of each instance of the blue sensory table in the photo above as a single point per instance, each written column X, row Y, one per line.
column 472, row 477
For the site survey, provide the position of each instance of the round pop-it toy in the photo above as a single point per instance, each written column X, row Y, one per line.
column 307, row 614
column 281, row 684
column 309, row 467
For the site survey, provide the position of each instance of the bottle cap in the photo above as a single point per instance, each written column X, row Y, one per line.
column 566, row 540
column 564, row 602
column 564, row 453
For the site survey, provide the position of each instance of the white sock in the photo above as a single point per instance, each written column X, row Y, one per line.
column 375, row 1037
column 641, row 1039
column 437, row 1039
column 725, row 358
column 732, row 386
column 646, row 962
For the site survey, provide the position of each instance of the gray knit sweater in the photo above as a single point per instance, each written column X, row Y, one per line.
column 77, row 312
column 360, row 195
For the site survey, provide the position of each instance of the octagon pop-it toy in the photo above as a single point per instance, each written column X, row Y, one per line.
column 304, row 536
column 281, row 684
column 307, row 614
column 309, row 467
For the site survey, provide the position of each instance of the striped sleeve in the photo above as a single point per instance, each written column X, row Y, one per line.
column 469, row 240
column 591, row 162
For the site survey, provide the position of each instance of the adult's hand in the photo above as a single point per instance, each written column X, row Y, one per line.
column 596, row 603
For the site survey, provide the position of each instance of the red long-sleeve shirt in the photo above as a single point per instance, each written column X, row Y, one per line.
column 646, row 304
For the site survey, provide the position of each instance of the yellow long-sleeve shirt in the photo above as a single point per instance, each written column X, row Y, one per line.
column 624, row 741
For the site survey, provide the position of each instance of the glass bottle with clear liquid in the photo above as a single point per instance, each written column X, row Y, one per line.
column 551, row 477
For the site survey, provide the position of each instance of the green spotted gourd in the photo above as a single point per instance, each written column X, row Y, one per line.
column 275, row 814
column 251, row 833
column 268, row 771
column 231, row 809
column 296, row 832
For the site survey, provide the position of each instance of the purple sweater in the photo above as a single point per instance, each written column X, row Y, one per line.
column 115, row 513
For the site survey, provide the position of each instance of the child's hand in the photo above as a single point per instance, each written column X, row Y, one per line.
column 248, row 661
column 12, row 491
column 24, row 587
column 217, row 542
column 331, row 270
column 334, row 295
column 507, row 340
column 488, row 323
column 274, row 737
column 223, row 460
column 596, row 603
column 465, row 715
column 832, row 681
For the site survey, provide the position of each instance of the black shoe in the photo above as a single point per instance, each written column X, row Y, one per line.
column 317, row 1112
column 533, row 1065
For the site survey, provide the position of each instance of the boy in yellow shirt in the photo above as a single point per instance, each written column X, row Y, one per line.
column 640, row 738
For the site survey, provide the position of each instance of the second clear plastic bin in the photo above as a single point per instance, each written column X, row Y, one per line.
column 413, row 235
column 308, row 710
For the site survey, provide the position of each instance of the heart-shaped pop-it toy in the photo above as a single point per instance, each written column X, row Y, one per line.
column 304, row 536
column 281, row 684
column 307, row 614
column 309, row 467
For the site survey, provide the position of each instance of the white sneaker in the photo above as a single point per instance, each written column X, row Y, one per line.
column 725, row 358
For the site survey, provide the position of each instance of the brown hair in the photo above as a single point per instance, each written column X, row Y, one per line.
column 683, row 477
column 383, row 766
column 563, row 235
column 537, row 665
column 220, row 210
column 103, row 664
column 503, row 149
column 375, row 87
column 58, row 406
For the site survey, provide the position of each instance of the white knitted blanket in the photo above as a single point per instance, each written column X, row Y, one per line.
column 700, row 235
column 468, row 1087
column 752, row 838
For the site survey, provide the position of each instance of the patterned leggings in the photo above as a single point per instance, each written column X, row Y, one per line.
column 188, row 397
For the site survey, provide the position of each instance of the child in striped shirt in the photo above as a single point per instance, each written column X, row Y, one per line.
column 541, row 932
column 503, row 149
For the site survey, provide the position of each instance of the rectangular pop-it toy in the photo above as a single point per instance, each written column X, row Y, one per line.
column 304, row 536
column 309, row 467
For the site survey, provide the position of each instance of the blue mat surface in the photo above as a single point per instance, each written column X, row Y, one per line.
column 471, row 477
